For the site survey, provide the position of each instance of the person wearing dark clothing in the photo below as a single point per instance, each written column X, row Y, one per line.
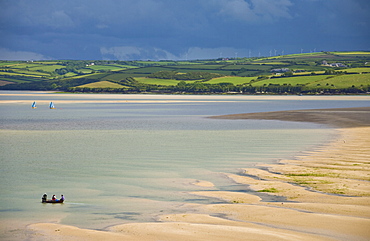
column 44, row 197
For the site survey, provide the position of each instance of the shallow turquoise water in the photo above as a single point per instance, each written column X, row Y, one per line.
column 124, row 162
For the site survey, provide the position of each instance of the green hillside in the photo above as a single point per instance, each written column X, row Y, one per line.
column 309, row 73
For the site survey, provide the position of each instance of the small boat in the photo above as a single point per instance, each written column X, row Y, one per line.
column 53, row 201
column 51, row 106
column 34, row 105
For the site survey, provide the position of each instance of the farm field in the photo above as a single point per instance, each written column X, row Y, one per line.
column 46, row 67
column 102, row 84
column 3, row 82
column 106, row 67
column 358, row 70
column 271, row 63
column 120, row 76
column 92, row 76
column 231, row 79
column 343, row 81
column 69, row 74
column 353, row 53
column 306, row 72
column 154, row 81
column 299, row 80
column 8, row 63
column 28, row 74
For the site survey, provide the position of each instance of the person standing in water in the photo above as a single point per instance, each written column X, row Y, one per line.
column 44, row 197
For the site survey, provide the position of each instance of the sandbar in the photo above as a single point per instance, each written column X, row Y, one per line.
column 325, row 193
column 62, row 98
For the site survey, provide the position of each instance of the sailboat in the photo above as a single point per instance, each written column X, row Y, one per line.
column 34, row 105
column 51, row 106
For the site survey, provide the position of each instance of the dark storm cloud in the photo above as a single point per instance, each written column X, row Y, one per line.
column 178, row 29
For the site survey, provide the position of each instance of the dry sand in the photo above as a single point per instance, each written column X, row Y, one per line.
column 326, row 192
column 59, row 98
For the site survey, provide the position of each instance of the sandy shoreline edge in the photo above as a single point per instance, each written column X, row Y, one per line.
column 336, row 117
column 327, row 192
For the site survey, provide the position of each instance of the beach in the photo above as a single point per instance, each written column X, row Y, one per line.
column 323, row 194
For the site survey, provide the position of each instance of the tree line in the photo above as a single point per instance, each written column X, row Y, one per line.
column 195, row 75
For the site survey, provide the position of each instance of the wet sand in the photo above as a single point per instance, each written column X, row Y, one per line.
column 338, row 117
column 326, row 193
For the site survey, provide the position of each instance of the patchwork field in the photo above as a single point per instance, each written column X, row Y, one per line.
column 231, row 79
column 102, row 84
column 295, row 80
column 344, row 81
column 153, row 81
column 308, row 73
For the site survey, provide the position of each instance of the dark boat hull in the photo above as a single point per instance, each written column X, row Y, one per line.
column 53, row 201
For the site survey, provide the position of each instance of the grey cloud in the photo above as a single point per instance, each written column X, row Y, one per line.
column 20, row 55
column 58, row 19
column 212, row 53
column 150, row 53
column 154, row 29
column 255, row 10
column 136, row 53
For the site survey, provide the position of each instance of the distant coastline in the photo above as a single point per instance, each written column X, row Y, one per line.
column 317, row 73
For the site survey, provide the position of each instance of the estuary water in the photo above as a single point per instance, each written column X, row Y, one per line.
column 128, row 158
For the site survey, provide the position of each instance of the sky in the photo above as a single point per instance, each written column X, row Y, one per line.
column 179, row 29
